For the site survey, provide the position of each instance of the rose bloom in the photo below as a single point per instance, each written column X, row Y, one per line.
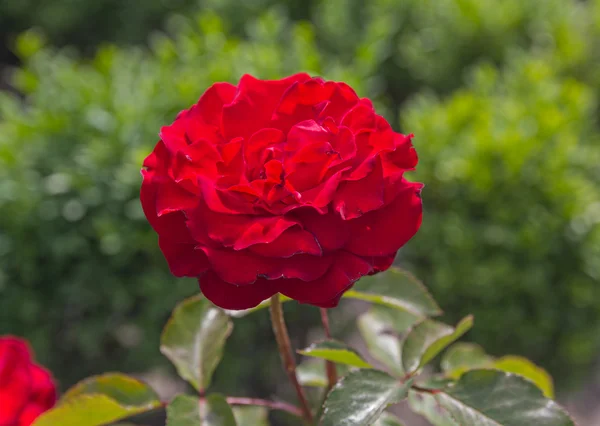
column 291, row 186
column 26, row 389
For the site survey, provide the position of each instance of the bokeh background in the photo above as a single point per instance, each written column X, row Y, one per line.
column 501, row 95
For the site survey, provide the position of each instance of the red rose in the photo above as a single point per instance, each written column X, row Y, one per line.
column 293, row 186
column 26, row 389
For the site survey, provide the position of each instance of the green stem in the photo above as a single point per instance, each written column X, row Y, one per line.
column 287, row 355
column 329, row 366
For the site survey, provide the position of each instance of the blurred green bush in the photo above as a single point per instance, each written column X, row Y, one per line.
column 501, row 97
column 512, row 210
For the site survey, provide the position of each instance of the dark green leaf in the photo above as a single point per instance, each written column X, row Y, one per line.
column 381, row 334
column 312, row 372
column 496, row 398
column 388, row 419
column 186, row 410
column 194, row 338
column 100, row 400
column 398, row 289
column 339, row 352
column 426, row 405
column 428, row 339
column 524, row 367
column 360, row 398
column 462, row 357
column 251, row 416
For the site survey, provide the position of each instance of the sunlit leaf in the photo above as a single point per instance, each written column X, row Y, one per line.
column 251, row 416
column 194, row 338
column 524, row 367
column 264, row 304
column 398, row 289
column 462, row 357
column 100, row 400
column 339, row 352
column 380, row 327
column 426, row 340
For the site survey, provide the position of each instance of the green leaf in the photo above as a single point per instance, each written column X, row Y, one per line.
column 120, row 387
column 186, row 410
column 387, row 419
column 100, row 400
column 194, row 338
column 251, row 416
column 339, row 352
column 462, row 357
column 426, row 405
column 312, row 372
column 524, row 367
column 380, row 328
column 360, row 398
column 398, row 289
column 262, row 305
column 496, row 398
column 428, row 339
column 90, row 410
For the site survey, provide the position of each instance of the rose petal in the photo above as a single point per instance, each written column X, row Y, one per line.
column 253, row 105
column 15, row 379
column 244, row 267
column 236, row 231
column 294, row 240
column 43, row 390
column 229, row 296
column 29, row 414
column 326, row 291
column 184, row 259
column 330, row 231
column 384, row 231
column 210, row 105
column 355, row 198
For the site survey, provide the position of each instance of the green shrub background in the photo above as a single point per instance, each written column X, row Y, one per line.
column 502, row 97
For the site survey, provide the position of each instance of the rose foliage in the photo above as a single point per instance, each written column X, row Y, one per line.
column 296, row 187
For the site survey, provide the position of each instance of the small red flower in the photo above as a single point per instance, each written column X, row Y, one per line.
column 293, row 186
column 26, row 389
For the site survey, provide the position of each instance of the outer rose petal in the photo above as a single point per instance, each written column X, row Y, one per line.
column 43, row 391
column 15, row 379
column 254, row 104
column 29, row 414
column 229, row 296
column 384, row 231
column 244, row 267
column 326, row 291
column 355, row 198
column 329, row 229
column 293, row 241
column 184, row 259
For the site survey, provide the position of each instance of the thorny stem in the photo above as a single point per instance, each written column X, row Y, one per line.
column 426, row 390
column 273, row 405
column 287, row 355
column 329, row 366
